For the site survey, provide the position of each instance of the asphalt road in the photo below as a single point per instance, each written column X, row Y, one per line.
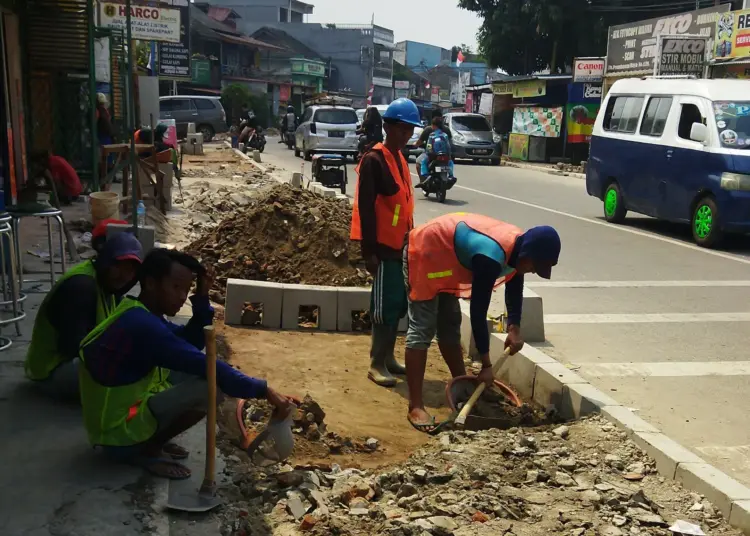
column 639, row 310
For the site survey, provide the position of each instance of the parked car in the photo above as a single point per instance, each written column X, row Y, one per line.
column 472, row 137
column 206, row 112
column 677, row 150
column 411, row 148
column 327, row 129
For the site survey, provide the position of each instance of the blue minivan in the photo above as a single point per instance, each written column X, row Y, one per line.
column 675, row 149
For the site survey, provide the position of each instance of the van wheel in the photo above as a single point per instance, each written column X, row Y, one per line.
column 705, row 223
column 614, row 204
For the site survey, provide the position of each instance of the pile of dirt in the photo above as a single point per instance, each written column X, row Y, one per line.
column 285, row 235
column 583, row 479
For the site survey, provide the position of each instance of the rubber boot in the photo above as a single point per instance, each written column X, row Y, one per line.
column 394, row 367
column 379, row 353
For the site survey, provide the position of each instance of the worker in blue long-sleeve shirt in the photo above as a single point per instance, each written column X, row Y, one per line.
column 128, row 409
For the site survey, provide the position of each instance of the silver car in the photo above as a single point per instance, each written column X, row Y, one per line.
column 473, row 138
column 327, row 129
column 411, row 148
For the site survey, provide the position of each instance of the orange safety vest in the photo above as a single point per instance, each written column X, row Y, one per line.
column 394, row 214
column 433, row 264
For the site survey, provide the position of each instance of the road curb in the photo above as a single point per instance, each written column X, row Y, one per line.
column 539, row 377
column 544, row 169
column 257, row 165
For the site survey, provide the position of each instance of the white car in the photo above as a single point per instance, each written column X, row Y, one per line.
column 327, row 129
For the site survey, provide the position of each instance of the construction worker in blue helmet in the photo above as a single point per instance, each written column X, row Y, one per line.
column 382, row 215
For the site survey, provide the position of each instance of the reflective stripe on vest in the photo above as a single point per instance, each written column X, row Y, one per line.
column 43, row 355
column 433, row 265
column 394, row 214
column 117, row 416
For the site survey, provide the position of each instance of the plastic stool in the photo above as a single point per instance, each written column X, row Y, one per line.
column 53, row 213
column 12, row 297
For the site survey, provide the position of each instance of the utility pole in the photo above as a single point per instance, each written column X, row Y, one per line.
column 132, row 163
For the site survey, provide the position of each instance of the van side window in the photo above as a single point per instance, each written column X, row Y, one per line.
column 690, row 114
column 656, row 116
column 622, row 114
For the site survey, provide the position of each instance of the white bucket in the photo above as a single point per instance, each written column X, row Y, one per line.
column 104, row 206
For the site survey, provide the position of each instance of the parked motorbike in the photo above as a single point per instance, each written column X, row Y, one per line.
column 254, row 139
column 439, row 181
column 289, row 138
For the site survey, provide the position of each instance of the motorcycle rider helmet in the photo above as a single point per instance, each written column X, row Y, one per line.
column 403, row 111
column 251, row 114
column 290, row 109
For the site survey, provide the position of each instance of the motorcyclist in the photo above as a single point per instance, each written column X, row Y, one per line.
column 435, row 139
column 290, row 122
column 371, row 129
column 248, row 125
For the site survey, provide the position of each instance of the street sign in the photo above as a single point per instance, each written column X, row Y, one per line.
column 146, row 23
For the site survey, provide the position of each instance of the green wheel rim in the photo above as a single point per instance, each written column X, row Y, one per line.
column 704, row 219
column 610, row 203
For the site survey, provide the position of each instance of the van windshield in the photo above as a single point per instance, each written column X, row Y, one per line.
column 733, row 123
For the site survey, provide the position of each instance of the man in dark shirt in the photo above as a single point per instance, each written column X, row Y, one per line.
column 126, row 407
column 80, row 300
column 382, row 215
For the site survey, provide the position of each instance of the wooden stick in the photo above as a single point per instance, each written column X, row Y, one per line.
column 209, row 476
column 466, row 410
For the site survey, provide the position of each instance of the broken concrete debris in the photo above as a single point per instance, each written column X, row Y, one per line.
column 478, row 483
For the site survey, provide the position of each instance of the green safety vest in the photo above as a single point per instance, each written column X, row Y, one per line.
column 118, row 416
column 43, row 356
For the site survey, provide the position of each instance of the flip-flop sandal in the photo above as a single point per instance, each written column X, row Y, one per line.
column 424, row 427
column 175, row 451
column 149, row 465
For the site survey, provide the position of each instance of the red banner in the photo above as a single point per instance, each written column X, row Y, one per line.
column 285, row 92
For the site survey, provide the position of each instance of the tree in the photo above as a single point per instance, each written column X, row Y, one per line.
column 466, row 49
column 235, row 95
column 523, row 36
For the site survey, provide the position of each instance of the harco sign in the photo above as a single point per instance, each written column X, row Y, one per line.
column 146, row 23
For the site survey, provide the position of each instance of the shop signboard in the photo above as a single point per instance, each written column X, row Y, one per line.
column 435, row 95
column 146, row 23
column 469, row 107
column 445, row 95
column 174, row 58
column 682, row 56
column 580, row 121
column 733, row 35
column 529, row 88
column 401, row 93
column 538, row 121
column 401, row 84
column 588, row 69
column 308, row 67
column 502, row 88
column 485, row 104
column 518, row 146
column 201, row 74
column 632, row 47
column 285, row 92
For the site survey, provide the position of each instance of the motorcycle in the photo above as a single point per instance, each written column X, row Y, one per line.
column 438, row 181
column 253, row 139
column 289, row 138
column 361, row 147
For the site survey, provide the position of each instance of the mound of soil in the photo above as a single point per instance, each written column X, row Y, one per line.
column 286, row 235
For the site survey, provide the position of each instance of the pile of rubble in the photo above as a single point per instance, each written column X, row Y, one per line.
column 285, row 235
column 568, row 168
column 584, row 479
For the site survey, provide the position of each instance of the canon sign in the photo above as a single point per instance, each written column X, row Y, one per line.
column 588, row 69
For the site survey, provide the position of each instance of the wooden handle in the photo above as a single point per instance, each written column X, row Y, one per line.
column 466, row 410
column 209, row 475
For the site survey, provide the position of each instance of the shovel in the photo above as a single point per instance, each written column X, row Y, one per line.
column 186, row 499
column 463, row 419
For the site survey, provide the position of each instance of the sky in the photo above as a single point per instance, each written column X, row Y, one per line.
column 437, row 22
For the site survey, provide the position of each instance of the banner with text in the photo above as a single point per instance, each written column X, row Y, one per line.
column 682, row 56
column 538, row 121
column 146, row 23
column 733, row 35
column 174, row 58
column 518, row 146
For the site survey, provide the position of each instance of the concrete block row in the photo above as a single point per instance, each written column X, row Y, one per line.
column 281, row 304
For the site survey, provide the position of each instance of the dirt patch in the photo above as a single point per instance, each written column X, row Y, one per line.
column 285, row 235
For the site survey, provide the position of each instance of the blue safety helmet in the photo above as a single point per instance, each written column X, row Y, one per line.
column 403, row 111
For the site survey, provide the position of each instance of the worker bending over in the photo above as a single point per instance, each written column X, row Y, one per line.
column 466, row 256
column 127, row 408
column 382, row 214
column 82, row 298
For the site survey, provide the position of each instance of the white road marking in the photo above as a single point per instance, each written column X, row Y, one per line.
column 666, row 369
column 647, row 318
column 611, row 226
column 634, row 284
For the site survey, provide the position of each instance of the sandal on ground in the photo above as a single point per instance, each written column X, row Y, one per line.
column 424, row 427
column 175, row 451
column 165, row 468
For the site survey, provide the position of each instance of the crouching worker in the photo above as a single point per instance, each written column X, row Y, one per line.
column 466, row 256
column 126, row 410
column 82, row 298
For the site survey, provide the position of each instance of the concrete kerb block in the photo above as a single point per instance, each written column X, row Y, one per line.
column 328, row 192
column 194, row 138
column 146, row 235
column 240, row 291
column 324, row 298
column 581, row 399
column 627, row 420
column 351, row 299
column 256, row 156
column 667, row 454
column 549, row 382
column 718, row 487
column 467, row 335
column 296, row 181
column 520, row 370
column 739, row 516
